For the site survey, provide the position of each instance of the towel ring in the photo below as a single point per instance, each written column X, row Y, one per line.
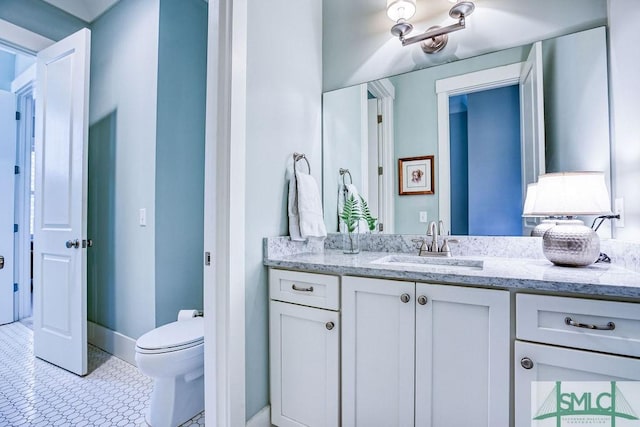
column 343, row 172
column 300, row 156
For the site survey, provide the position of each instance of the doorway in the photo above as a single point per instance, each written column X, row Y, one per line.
column 17, row 82
column 486, row 172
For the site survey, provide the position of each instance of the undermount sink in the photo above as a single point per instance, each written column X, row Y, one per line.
column 425, row 261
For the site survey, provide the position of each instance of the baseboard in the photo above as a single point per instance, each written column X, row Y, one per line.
column 261, row 419
column 112, row 342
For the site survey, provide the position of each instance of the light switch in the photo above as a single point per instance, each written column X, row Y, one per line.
column 423, row 216
column 143, row 217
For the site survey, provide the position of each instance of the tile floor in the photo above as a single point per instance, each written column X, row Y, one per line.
column 35, row 393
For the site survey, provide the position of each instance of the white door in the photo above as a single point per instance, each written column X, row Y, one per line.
column 462, row 355
column 7, row 164
column 304, row 361
column 532, row 124
column 378, row 325
column 537, row 362
column 60, row 277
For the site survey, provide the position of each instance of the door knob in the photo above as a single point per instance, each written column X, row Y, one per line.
column 1, row 262
column 405, row 298
column 329, row 325
column 72, row 244
column 422, row 300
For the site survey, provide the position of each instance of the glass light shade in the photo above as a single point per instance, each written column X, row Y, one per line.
column 529, row 199
column 401, row 9
column 570, row 194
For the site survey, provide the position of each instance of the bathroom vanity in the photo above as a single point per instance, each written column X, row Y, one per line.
column 389, row 338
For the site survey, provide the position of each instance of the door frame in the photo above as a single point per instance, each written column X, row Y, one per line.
column 24, row 88
column 477, row 81
column 385, row 92
column 224, row 207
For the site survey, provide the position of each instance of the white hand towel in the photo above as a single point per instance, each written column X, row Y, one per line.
column 309, row 207
column 292, row 210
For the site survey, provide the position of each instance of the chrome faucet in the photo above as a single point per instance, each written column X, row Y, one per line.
column 433, row 232
column 433, row 249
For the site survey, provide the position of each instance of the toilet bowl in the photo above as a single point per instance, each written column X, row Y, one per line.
column 173, row 355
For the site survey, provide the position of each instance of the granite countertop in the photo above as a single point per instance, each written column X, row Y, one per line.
column 532, row 274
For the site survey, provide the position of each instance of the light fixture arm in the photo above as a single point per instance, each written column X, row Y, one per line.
column 433, row 33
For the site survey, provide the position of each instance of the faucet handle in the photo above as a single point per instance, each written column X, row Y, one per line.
column 445, row 245
column 419, row 242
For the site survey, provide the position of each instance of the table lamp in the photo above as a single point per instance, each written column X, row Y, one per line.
column 566, row 195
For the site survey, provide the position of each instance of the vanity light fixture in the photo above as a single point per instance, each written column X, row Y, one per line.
column 567, row 195
column 435, row 38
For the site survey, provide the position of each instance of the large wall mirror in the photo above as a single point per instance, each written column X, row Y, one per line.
column 484, row 165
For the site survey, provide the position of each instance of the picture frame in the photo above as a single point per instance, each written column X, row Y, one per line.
column 416, row 175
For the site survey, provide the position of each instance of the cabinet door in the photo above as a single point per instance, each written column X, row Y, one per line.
column 549, row 363
column 462, row 356
column 377, row 352
column 304, row 352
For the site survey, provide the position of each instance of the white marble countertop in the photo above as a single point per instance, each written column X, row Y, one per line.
column 605, row 280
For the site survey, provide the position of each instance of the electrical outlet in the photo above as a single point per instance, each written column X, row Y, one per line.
column 142, row 218
column 423, row 216
column 619, row 210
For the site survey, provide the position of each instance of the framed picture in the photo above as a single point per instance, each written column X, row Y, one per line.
column 416, row 175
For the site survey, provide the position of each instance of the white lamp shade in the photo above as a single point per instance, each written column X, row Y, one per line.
column 400, row 9
column 570, row 194
column 530, row 199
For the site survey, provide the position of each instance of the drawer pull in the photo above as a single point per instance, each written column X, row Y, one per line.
column 295, row 288
column 608, row 327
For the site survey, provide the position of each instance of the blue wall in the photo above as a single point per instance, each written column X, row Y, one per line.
column 459, row 161
column 122, row 173
column 7, row 69
column 495, row 189
column 182, row 69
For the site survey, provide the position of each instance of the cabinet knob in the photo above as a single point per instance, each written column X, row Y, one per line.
column 422, row 300
column 526, row 363
column 329, row 325
column 405, row 298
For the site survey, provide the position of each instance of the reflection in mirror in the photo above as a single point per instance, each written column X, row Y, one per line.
column 576, row 129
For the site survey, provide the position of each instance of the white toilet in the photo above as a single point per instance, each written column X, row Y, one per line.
column 173, row 355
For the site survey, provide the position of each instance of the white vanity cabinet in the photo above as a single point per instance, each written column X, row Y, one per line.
column 304, row 326
column 572, row 339
column 412, row 354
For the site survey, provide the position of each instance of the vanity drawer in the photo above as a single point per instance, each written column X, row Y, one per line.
column 314, row 290
column 606, row 326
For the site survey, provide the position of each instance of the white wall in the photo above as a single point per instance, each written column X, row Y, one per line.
column 624, row 63
column 284, row 89
column 358, row 46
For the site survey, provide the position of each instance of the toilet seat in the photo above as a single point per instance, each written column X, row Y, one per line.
column 173, row 336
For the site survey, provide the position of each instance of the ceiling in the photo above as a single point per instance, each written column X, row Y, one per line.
column 87, row 10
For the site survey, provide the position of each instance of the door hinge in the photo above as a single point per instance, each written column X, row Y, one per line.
column 15, row 228
column 380, row 170
column 17, row 115
column 379, row 118
column 15, row 287
column 380, row 227
column 16, row 170
column 207, row 258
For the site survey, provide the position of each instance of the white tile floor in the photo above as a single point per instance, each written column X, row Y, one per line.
column 35, row 393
